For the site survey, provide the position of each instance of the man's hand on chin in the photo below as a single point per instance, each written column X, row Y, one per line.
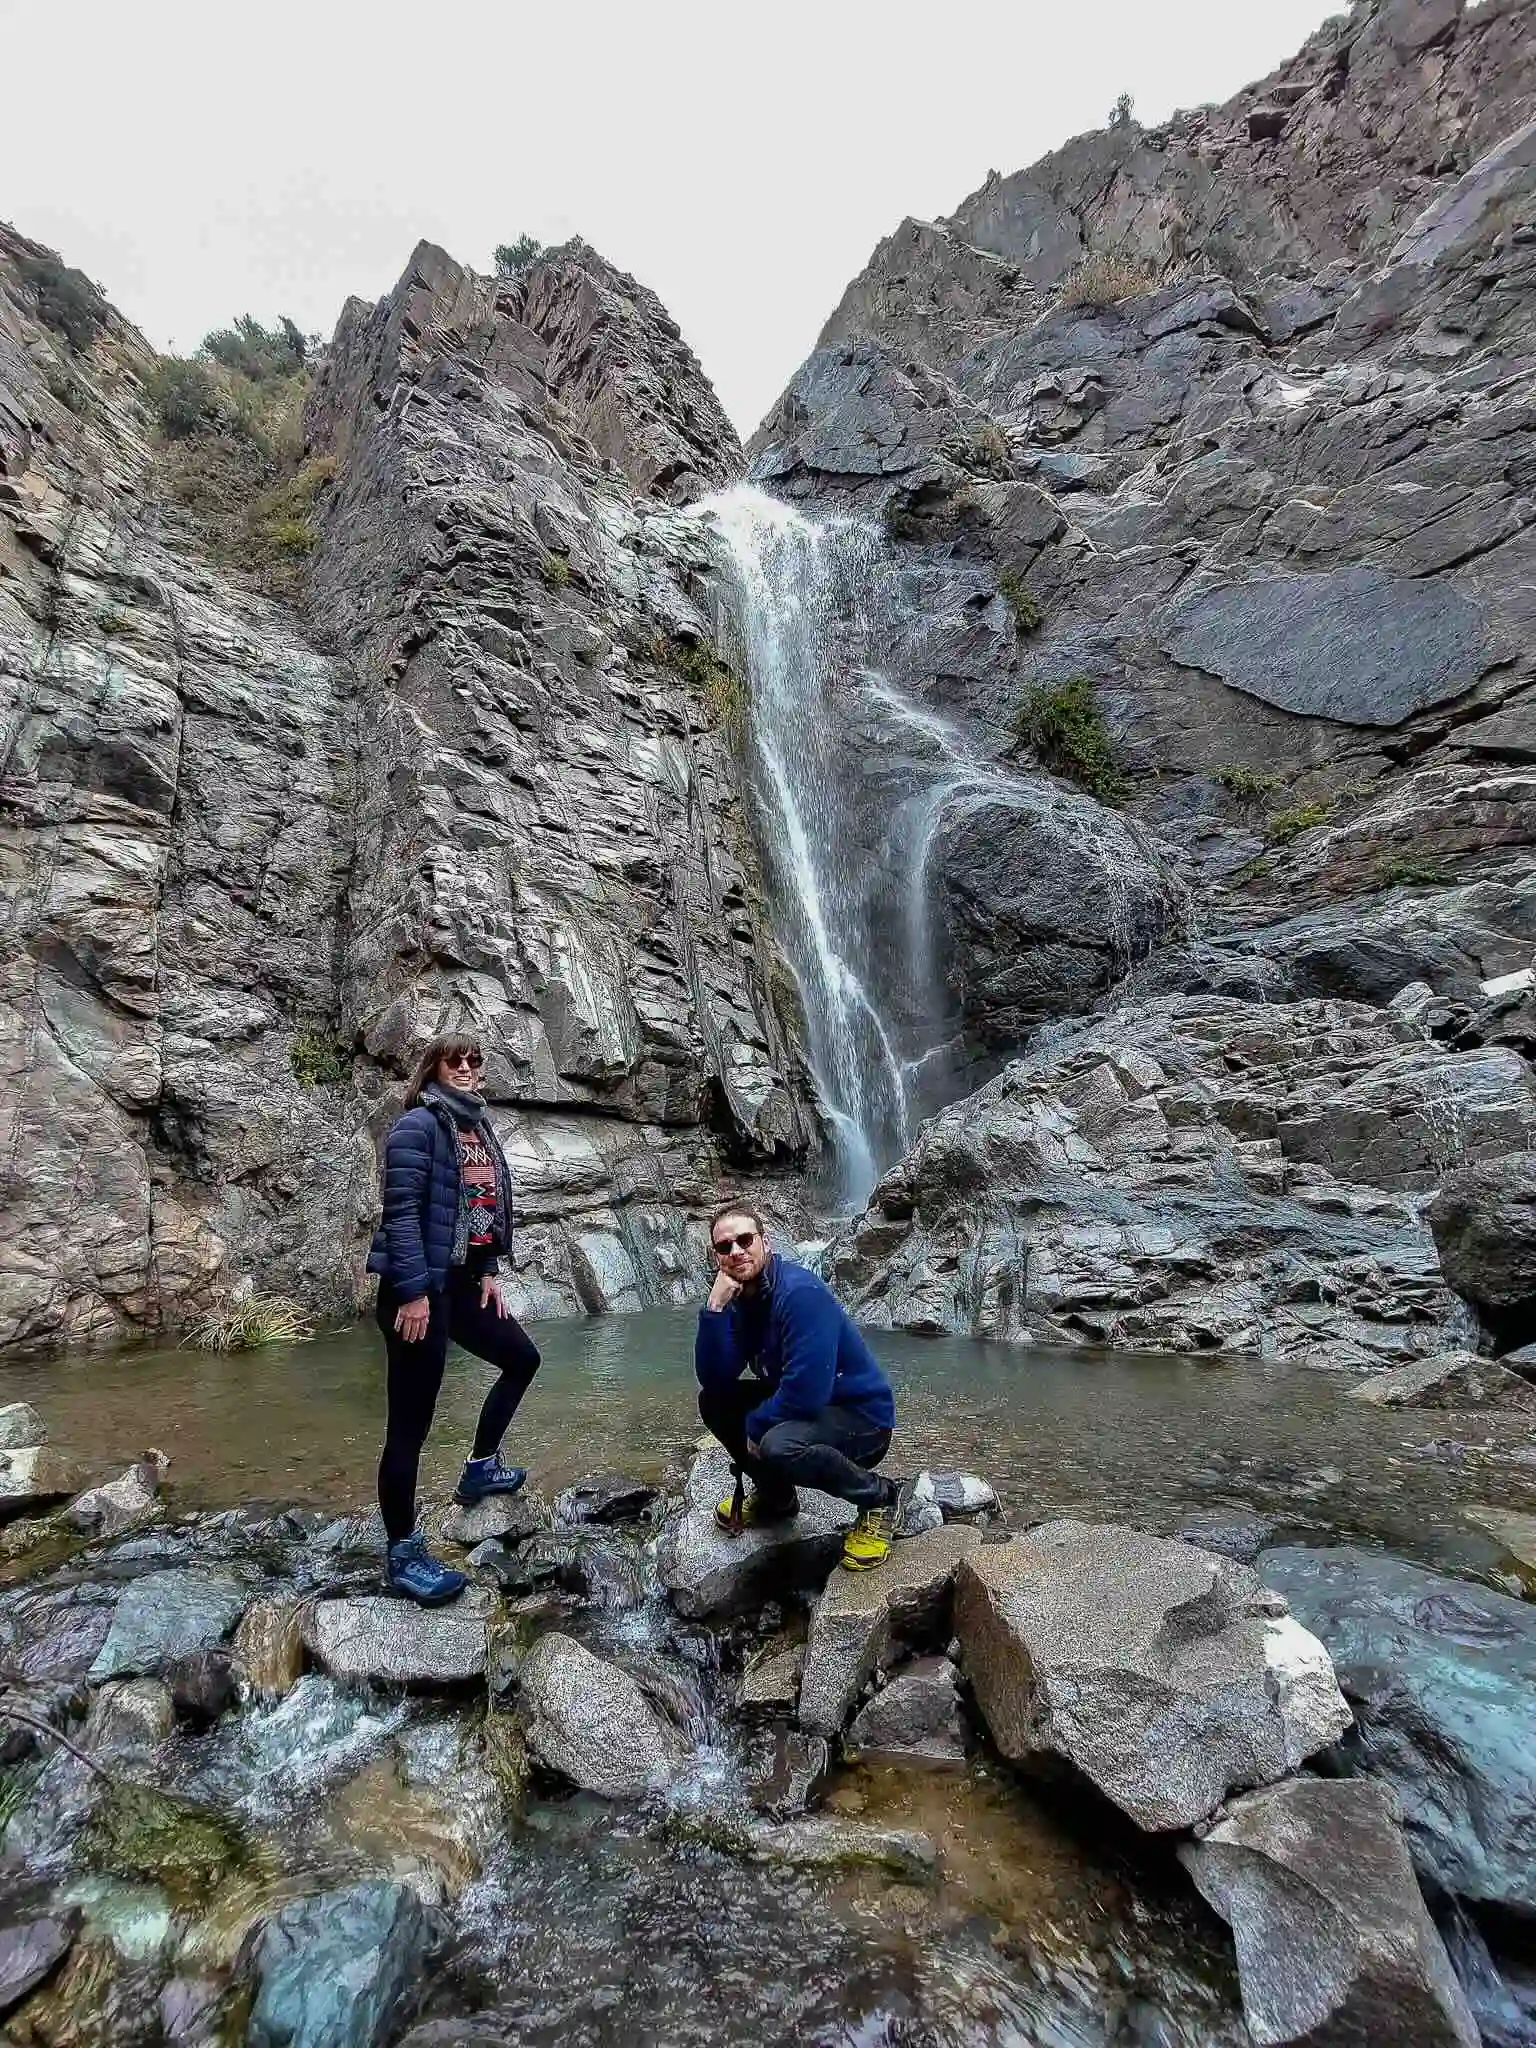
column 724, row 1291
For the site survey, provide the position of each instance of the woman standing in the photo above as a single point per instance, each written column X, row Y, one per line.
column 446, row 1221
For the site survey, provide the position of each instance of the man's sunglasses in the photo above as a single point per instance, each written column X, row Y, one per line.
column 464, row 1059
column 724, row 1246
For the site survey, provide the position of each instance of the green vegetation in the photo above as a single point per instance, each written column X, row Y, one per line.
column 556, row 571
column 1105, row 277
column 513, row 258
column 718, row 684
column 66, row 388
column 1062, row 722
column 1027, row 615
column 110, row 622
column 1120, row 112
column 1256, row 871
column 1285, row 826
column 991, row 453
column 282, row 518
column 139, row 1832
column 262, row 355
column 1402, row 872
column 67, row 301
column 318, row 1061
column 247, row 1325
column 1246, row 783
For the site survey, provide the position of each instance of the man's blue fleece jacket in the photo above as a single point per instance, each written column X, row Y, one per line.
column 795, row 1335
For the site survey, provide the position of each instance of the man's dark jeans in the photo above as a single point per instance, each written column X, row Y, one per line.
column 833, row 1451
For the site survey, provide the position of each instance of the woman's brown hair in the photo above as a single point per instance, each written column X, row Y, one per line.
column 425, row 1069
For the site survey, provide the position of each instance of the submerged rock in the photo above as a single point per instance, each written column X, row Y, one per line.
column 1451, row 1379
column 379, row 1641
column 591, row 1722
column 839, row 1844
column 341, row 1969
column 1334, row 1943
column 862, row 1614
column 166, row 1614
column 1517, row 1533
column 1169, row 1677
column 1228, row 1532
column 793, row 1777
column 1441, row 1675
column 708, row 1573
column 21, row 1427
column 917, row 1714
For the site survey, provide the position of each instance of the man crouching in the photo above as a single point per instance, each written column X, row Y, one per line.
column 815, row 1408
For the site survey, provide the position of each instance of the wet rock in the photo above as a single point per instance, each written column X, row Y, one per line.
column 841, row 1844
column 341, row 1969
column 1517, row 1533
column 35, row 1478
column 605, row 1497
column 30, row 1952
column 192, row 2012
column 959, row 1496
column 917, row 1714
column 108, row 1510
column 863, row 1614
column 378, row 1641
column 1228, row 1532
column 202, row 1686
column 591, row 1723
column 1451, row 1379
column 128, row 1715
column 55, row 1632
column 708, row 1573
column 21, row 1427
column 1169, row 1677
column 770, row 1684
column 269, row 1647
column 795, row 1775
column 1484, row 1221
column 167, row 1614
column 1441, row 1675
column 1333, row 1939
column 507, row 1517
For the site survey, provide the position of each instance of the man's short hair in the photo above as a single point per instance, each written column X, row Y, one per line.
column 737, row 1209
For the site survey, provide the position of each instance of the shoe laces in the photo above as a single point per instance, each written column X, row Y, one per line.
column 414, row 1545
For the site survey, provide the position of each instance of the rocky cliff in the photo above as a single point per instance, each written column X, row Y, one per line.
column 472, row 778
column 1212, row 452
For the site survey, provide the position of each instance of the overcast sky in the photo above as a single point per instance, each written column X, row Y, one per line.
column 201, row 160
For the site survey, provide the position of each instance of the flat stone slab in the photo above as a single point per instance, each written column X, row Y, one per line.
column 1168, row 1676
column 862, row 1614
column 378, row 1641
column 707, row 1572
column 770, row 1684
column 1451, row 1379
column 841, row 1844
column 35, row 1478
column 508, row 1516
column 1355, row 645
column 589, row 1721
column 21, row 1429
column 1333, row 1939
column 164, row 1615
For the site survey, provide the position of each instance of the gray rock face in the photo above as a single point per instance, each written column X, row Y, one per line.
column 709, row 1573
column 862, row 1615
column 1169, row 1677
column 1351, row 645
column 1333, row 1940
column 1156, row 1178
column 21, row 1427
column 375, row 1641
column 1439, row 1674
column 1484, row 1220
column 1451, row 1379
column 341, row 1969
column 917, row 1714
column 165, row 1615
column 30, row 1951
column 590, row 1722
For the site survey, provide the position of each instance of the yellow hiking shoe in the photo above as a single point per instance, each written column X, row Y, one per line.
column 868, row 1542
column 755, row 1512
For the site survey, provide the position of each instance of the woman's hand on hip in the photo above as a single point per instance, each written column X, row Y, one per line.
column 412, row 1318
column 490, row 1290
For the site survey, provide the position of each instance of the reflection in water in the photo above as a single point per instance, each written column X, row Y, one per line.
column 1144, row 1439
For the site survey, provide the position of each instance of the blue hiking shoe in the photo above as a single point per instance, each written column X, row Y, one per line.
column 482, row 1477
column 415, row 1572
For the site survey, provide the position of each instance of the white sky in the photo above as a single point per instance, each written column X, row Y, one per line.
column 202, row 160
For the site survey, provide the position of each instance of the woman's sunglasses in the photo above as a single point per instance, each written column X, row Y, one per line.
column 476, row 1060
column 724, row 1246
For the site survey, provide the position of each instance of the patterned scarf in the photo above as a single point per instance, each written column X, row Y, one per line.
column 469, row 1112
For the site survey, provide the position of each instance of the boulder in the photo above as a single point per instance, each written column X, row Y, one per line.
column 1484, row 1221
column 21, row 1429
column 959, row 1496
column 863, row 1614
column 605, row 1497
column 1450, row 1379
column 202, row 1686
column 770, row 1683
column 1265, row 123
column 35, row 1478
column 1169, row 1677
column 1441, row 1675
column 917, row 1714
column 378, row 1641
column 108, row 1510
column 709, row 1573
column 269, row 1647
column 30, row 1952
column 509, row 1517
column 339, row 1969
column 166, row 1614
column 129, row 1714
column 590, row 1722
column 1334, row 1944
column 841, row 1844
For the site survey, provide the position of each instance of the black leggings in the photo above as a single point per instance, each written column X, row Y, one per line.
column 833, row 1451
column 416, row 1374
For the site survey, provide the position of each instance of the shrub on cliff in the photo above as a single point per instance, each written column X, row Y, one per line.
column 1105, row 277
column 513, row 258
column 67, row 301
column 1064, row 726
